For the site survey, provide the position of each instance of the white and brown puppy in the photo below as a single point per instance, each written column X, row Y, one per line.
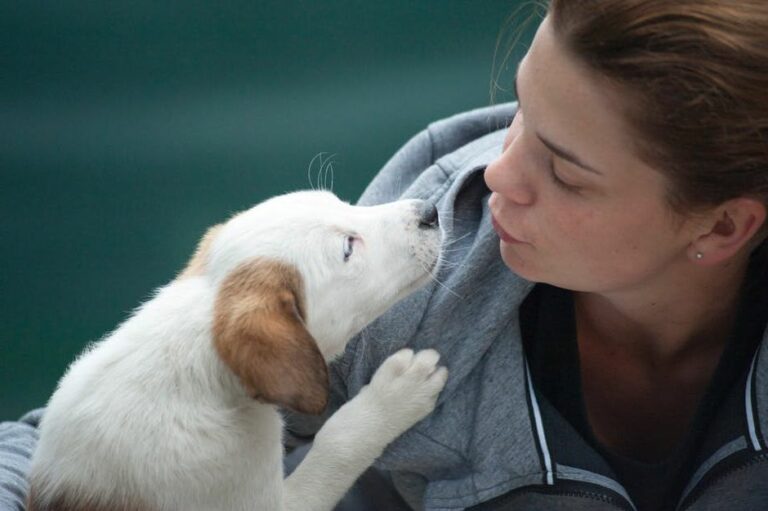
column 177, row 409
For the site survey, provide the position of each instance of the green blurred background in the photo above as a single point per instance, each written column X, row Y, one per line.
column 127, row 128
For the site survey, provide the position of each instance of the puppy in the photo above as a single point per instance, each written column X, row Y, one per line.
column 177, row 409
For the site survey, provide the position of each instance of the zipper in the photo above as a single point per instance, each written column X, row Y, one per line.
column 562, row 488
column 725, row 468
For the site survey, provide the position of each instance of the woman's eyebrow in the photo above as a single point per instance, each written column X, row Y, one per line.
column 567, row 155
column 556, row 149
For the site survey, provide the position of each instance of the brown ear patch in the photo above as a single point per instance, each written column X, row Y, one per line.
column 196, row 265
column 259, row 332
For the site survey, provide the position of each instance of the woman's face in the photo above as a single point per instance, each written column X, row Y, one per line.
column 573, row 205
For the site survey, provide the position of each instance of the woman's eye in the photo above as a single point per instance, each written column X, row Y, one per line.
column 349, row 245
column 559, row 182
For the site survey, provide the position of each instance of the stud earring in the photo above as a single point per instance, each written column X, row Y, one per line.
column 699, row 255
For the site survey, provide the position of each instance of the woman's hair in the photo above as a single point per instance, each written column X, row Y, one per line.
column 696, row 75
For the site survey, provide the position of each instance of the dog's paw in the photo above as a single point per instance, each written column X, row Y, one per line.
column 407, row 385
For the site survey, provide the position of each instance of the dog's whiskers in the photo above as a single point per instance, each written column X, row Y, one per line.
column 438, row 282
column 452, row 250
column 326, row 168
column 452, row 265
column 323, row 172
column 309, row 170
column 456, row 240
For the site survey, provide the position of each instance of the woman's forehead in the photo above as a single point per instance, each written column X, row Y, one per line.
column 572, row 106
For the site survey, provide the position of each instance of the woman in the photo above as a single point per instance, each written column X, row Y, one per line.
column 631, row 188
column 618, row 364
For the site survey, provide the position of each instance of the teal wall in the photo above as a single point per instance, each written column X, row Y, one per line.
column 127, row 128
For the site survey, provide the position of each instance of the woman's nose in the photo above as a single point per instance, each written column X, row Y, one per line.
column 506, row 177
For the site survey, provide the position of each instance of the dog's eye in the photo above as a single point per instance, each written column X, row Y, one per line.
column 349, row 245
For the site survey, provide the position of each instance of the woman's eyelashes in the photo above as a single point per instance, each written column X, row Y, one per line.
column 556, row 179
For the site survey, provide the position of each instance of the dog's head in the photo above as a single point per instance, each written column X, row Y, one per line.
column 298, row 275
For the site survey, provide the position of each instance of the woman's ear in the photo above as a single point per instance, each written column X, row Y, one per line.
column 259, row 333
column 732, row 227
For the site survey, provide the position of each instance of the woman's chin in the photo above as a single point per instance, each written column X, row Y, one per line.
column 516, row 261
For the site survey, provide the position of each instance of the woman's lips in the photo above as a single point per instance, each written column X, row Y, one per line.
column 504, row 235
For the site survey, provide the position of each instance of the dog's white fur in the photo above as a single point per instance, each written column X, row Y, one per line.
column 154, row 416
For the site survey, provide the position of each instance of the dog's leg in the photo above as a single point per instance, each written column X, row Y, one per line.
column 401, row 393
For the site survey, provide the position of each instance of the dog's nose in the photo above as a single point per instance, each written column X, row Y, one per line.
column 427, row 215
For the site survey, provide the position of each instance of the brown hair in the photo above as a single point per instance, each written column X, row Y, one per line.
column 696, row 72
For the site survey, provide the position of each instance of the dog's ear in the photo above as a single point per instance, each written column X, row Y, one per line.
column 259, row 332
